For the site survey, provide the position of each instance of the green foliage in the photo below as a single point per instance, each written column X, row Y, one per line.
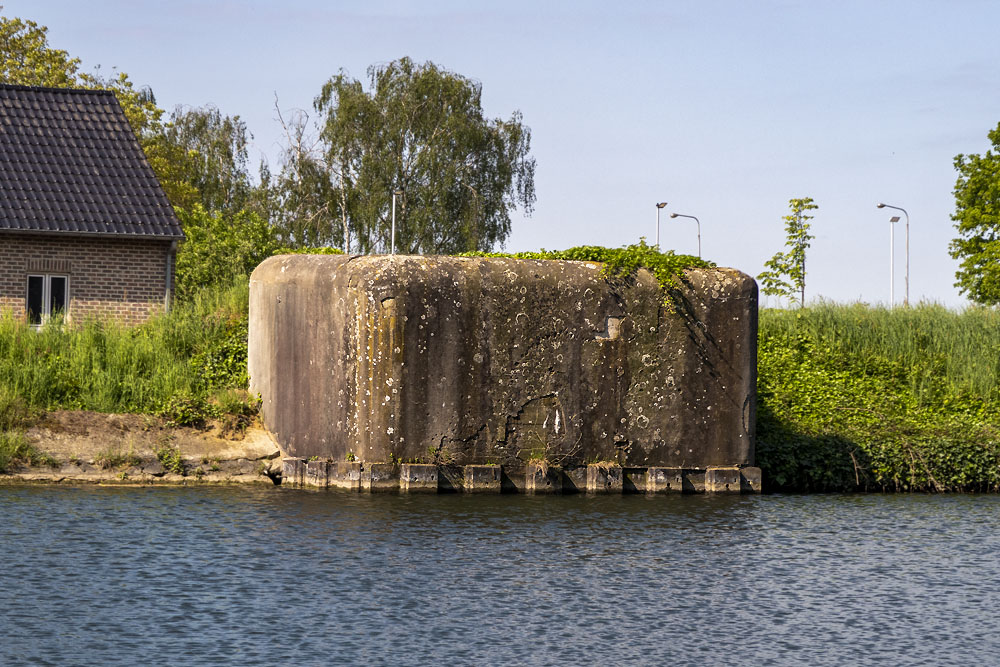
column 222, row 362
column 27, row 60
column 14, row 412
column 150, row 369
column 220, row 248
column 786, row 274
column 183, row 409
column 420, row 129
column 15, row 450
column 977, row 220
column 309, row 251
column 171, row 460
column 854, row 397
column 620, row 263
column 210, row 151
column 302, row 201
column 116, row 457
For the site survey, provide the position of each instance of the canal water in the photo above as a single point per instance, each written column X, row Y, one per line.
column 213, row 576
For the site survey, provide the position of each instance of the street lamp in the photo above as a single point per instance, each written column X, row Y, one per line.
column 892, row 267
column 906, row 300
column 396, row 193
column 658, row 207
column 681, row 215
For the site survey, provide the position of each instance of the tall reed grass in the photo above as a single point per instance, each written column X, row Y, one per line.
column 854, row 396
column 935, row 351
column 197, row 351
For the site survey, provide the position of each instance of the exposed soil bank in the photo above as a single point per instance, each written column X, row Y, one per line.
column 91, row 447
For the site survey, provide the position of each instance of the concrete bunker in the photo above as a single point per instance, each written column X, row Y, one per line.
column 544, row 373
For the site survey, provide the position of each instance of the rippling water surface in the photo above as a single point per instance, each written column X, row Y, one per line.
column 274, row 576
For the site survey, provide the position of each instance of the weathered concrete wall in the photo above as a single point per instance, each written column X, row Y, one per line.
column 459, row 361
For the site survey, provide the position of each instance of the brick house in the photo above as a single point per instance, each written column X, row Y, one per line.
column 85, row 227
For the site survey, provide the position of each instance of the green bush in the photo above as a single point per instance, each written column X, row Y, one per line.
column 171, row 460
column 619, row 262
column 189, row 354
column 856, row 397
column 15, row 450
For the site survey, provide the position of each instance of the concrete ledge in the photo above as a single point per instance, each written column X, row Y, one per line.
column 604, row 478
column 317, row 474
column 722, row 479
column 633, row 480
column 293, row 471
column 750, row 480
column 379, row 477
column 346, row 475
column 542, row 479
column 664, row 480
column 482, row 479
column 418, row 478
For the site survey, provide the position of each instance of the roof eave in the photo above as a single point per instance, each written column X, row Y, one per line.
column 105, row 235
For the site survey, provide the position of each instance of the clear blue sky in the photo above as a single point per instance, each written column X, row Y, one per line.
column 726, row 110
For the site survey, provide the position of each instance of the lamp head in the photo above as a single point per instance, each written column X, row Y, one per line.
column 880, row 205
column 673, row 215
column 661, row 204
column 894, row 218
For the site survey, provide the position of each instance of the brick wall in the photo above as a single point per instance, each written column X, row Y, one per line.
column 122, row 279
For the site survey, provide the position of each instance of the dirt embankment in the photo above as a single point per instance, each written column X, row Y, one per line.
column 90, row 447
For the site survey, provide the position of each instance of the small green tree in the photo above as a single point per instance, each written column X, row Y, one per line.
column 977, row 219
column 786, row 271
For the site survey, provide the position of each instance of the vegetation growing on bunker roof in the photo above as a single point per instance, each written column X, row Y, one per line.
column 668, row 267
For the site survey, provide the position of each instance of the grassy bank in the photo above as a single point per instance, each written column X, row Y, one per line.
column 187, row 366
column 852, row 396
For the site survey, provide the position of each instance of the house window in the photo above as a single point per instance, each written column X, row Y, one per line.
column 48, row 295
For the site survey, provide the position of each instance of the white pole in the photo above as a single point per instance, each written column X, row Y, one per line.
column 892, row 273
column 659, row 205
column 393, row 223
column 907, row 302
column 657, row 226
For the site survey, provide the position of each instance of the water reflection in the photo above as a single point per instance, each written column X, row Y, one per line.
column 272, row 576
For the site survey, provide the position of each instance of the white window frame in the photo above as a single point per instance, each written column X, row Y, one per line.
column 46, row 295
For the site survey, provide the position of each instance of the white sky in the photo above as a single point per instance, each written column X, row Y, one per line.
column 726, row 110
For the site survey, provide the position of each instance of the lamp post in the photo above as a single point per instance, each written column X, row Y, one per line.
column 394, row 195
column 659, row 206
column 906, row 299
column 681, row 215
column 892, row 266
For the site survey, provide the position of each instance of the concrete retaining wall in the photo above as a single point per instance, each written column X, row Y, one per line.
column 456, row 361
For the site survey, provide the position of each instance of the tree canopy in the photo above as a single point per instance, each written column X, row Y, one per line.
column 977, row 219
column 27, row 60
column 209, row 151
column 420, row 130
column 303, row 204
column 786, row 271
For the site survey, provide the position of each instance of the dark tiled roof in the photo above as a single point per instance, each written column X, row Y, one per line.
column 70, row 163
